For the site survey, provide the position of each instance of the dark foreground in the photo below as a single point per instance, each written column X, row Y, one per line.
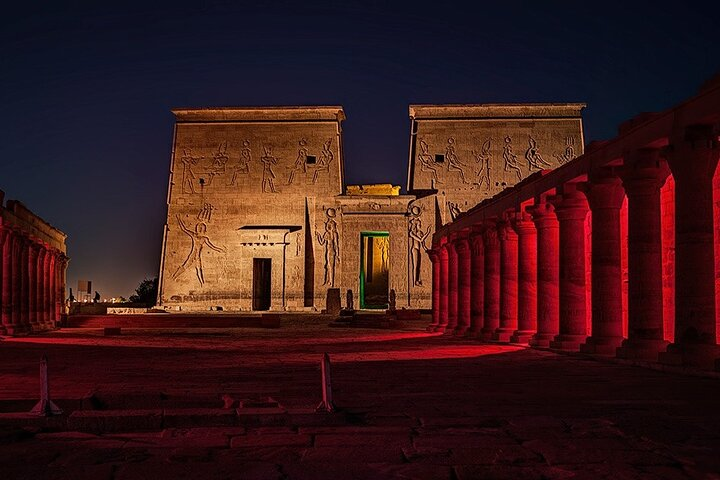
column 412, row 405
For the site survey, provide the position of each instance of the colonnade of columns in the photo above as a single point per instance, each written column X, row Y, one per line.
column 32, row 283
column 520, row 275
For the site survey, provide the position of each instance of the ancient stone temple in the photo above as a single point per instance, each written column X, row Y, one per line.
column 33, row 265
column 260, row 218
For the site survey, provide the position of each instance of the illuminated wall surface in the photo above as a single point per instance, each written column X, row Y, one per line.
column 249, row 183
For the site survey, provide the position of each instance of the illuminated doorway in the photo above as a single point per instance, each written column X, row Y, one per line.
column 261, row 283
column 374, row 269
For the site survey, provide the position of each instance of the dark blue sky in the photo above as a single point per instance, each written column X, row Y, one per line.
column 87, row 89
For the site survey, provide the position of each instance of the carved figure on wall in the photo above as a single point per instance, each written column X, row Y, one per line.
column 199, row 240
column 417, row 243
column 426, row 161
column 300, row 162
column 384, row 246
column 454, row 209
column 533, row 157
column 242, row 166
column 331, row 241
column 268, row 160
column 511, row 161
column 298, row 247
column 205, row 213
column 483, row 158
column 569, row 153
column 188, row 175
column 326, row 157
column 220, row 158
column 453, row 162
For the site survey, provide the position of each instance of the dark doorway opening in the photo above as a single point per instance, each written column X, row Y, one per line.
column 261, row 283
column 374, row 269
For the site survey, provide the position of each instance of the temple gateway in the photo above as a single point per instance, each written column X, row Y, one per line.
column 259, row 216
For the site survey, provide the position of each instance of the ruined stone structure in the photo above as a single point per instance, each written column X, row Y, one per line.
column 260, row 218
column 33, row 265
column 615, row 253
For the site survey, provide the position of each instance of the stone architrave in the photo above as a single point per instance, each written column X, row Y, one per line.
column 527, row 277
column 508, row 282
column 491, row 314
column 571, row 209
column 693, row 159
column 643, row 175
column 605, row 196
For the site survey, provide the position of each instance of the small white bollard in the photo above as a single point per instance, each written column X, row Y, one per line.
column 45, row 407
column 327, row 402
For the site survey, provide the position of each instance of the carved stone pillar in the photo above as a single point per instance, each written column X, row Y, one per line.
column 46, row 288
column 62, row 287
column 527, row 277
column 548, row 267
column 643, row 175
column 452, row 287
column 508, row 282
column 477, row 283
column 33, row 282
column 462, row 246
column 571, row 209
column 443, row 289
column 693, row 159
column 40, row 291
column 5, row 275
column 435, row 260
column 25, row 283
column 605, row 196
column 16, row 326
column 491, row 314
column 52, row 281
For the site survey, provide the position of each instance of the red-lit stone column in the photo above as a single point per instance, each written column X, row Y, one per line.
column 605, row 196
column 477, row 283
column 443, row 253
column 32, row 285
column 25, row 283
column 462, row 247
column 40, row 292
column 16, row 327
column 693, row 158
column 571, row 209
column 527, row 277
column 643, row 175
column 435, row 260
column 491, row 314
column 452, row 287
column 548, row 273
column 5, row 265
column 52, row 280
column 46, row 288
column 508, row 282
column 62, row 286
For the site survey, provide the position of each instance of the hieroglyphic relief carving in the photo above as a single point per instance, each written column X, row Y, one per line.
column 268, row 160
column 326, row 157
column 426, row 161
column 384, row 246
column 569, row 153
column 417, row 243
column 205, row 213
column 300, row 162
column 533, row 157
column 220, row 158
column 188, row 175
column 483, row 158
column 331, row 241
column 511, row 161
column 454, row 209
column 243, row 162
column 199, row 240
column 298, row 245
column 453, row 162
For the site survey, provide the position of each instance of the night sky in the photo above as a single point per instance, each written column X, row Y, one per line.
column 87, row 89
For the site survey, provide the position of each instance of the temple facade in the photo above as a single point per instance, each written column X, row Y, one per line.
column 33, row 265
column 260, row 217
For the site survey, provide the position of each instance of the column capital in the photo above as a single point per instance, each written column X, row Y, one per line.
column 694, row 151
column 434, row 254
column 522, row 222
column 571, row 204
column 643, row 170
column 490, row 237
column 462, row 245
column 604, row 189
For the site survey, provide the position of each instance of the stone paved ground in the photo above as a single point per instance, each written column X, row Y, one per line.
column 416, row 406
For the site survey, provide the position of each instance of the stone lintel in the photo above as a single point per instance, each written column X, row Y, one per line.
column 260, row 114
column 17, row 215
column 496, row 110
